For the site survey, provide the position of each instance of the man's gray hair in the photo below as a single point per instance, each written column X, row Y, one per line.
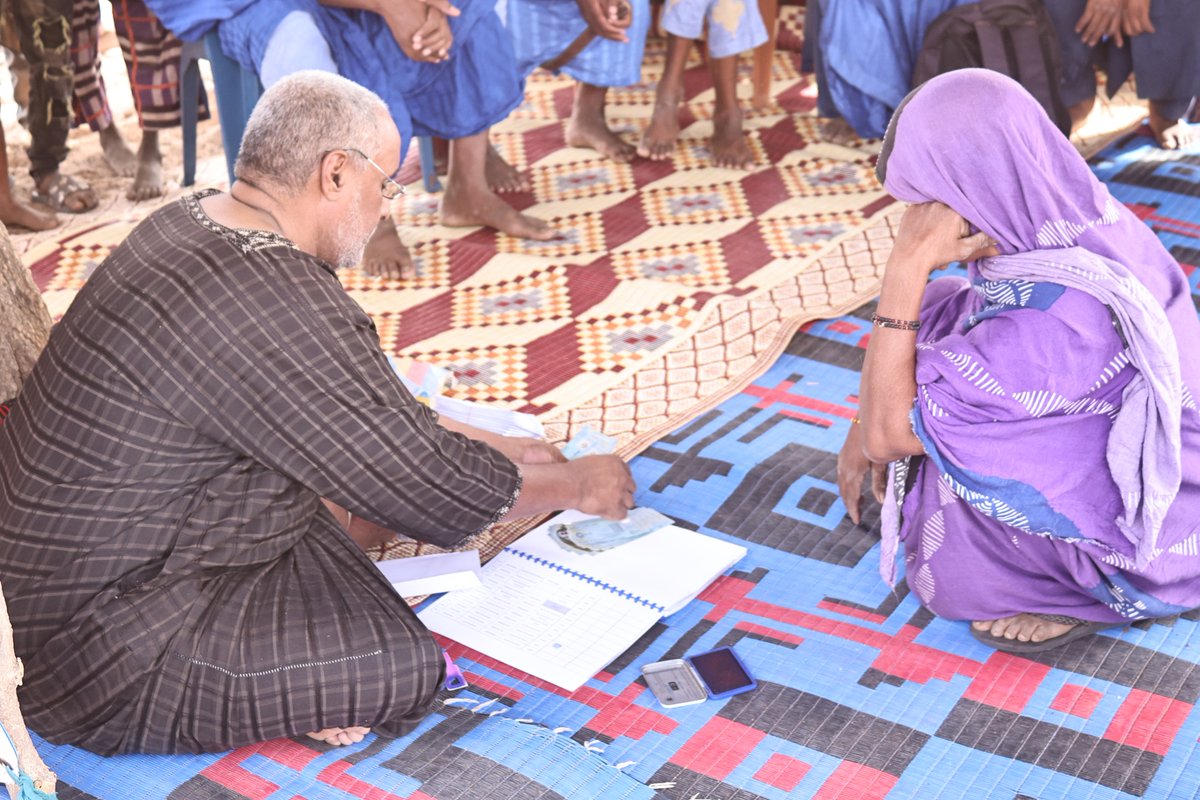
column 300, row 119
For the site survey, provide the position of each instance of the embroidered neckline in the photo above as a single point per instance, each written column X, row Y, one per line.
column 247, row 240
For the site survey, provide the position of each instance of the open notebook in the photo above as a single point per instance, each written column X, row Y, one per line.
column 563, row 616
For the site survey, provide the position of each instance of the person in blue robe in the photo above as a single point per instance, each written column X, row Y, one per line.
column 542, row 30
column 443, row 71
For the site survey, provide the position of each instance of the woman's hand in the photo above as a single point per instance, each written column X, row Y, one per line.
column 852, row 468
column 1101, row 18
column 932, row 235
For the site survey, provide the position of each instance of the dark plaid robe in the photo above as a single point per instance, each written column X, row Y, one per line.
column 174, row 581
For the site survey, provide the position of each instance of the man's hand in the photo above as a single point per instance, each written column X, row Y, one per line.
column 1135, row 20
column 432, row 40
column 605, row 486
column 932, row 235
column 606, row 18
column 852, row 468
column 1101, row 18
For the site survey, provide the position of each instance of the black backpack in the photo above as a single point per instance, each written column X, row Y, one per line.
column 1014, row 37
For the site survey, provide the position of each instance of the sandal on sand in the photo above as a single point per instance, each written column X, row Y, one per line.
column 63, row 186
column 1082, row 628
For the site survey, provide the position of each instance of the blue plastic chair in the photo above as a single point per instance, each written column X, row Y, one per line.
column 237, row 91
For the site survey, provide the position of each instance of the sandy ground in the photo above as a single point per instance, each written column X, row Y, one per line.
column 86, row 159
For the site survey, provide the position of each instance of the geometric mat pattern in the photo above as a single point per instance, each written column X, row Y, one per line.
column 645, row 256
column 862, row 693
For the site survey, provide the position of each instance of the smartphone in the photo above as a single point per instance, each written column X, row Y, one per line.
column 683, row 681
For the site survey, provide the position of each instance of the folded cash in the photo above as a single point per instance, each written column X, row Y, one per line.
column 589, row 442
column 597, row 535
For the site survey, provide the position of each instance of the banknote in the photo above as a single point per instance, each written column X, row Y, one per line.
column 597, row 535
column 589, row 442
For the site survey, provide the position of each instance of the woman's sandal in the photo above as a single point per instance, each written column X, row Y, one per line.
column 1082, row 628
column 56, row 194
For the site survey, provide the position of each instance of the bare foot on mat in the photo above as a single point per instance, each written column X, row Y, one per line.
column 385, row 255
column 502, row 176
column 1173, row 134
column 729, row 147
column 658, row 141
column 339, row 737
column 464, row 208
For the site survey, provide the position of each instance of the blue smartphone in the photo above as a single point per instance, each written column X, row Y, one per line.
column 722, row 673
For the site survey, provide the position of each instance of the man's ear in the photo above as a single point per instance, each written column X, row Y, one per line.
column 332, row 173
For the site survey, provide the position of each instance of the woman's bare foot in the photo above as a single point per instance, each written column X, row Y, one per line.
column 837, row 130
column 14, row 213
column 386, row 256
column 117, row 154
column 658, row 140
column 148, row 183
column 478, row 205
column 502, row 176
column 588, row 127
column 1172, row 134
column 729, row 147
column 1023, row 628
column 340, row 737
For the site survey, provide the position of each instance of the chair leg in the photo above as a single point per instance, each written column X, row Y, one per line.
column 188, row 100
column 764, row 54
column 428, row 170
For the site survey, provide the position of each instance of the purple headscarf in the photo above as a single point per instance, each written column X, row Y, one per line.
column 979, row 143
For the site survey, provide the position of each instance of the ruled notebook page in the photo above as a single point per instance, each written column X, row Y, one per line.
column 563, row 616
column 545, row 622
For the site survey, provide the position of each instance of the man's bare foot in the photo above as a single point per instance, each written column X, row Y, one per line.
column 502, row 176
column 658, row 140
column 14, row 213
column 461, row 208
column 340, row 737
column 588, row 127
column 1172, row 134
column 837, row 131
column 386, row 256
column 1022, row 628
column 729, row 147
column 148, row 183
column 117, row 154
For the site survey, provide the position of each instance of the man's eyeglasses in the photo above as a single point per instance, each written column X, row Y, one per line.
column 390, row 188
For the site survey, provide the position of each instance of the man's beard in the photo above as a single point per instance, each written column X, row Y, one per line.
column 350, row 242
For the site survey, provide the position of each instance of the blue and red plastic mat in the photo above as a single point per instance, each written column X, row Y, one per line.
column 862, row 694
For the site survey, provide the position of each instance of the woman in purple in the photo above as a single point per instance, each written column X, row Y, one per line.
column 1039, row 417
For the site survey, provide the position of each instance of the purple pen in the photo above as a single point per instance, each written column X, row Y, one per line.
column 454, row 676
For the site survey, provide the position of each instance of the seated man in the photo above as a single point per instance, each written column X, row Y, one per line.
column 450, row 76
column 174, row 579
column 1157, row 42
column 862, row 54
column 544, row 31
